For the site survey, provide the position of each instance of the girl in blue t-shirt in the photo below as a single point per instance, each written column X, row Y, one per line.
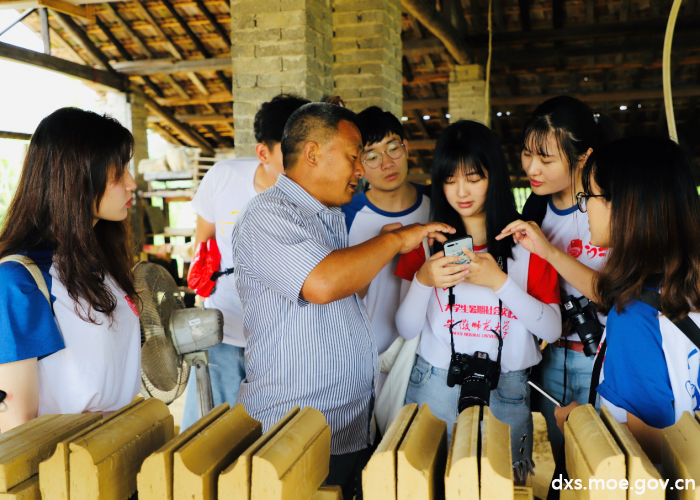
column 78, row 351
column 642, row 203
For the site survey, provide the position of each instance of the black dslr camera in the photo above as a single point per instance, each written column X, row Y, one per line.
column 584, row 321
column 478, row 376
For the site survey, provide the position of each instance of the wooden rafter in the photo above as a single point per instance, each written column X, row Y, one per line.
column 214, row 23
column 169, row 67
column 107, row 79
column 430, row 18
column 188, row 134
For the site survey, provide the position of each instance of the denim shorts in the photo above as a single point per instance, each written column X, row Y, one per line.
column 227, row 371
column 510, row 403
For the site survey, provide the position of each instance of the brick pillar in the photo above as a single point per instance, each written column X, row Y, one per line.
column 467, row 98
column 278, row 46
column 367, row 54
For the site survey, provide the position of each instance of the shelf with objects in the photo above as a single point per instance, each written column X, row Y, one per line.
column 168, row 228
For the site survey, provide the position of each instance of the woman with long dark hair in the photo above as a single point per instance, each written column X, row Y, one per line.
column 79, row 351
column 643, row 204
column 517, row 299
column 557, row 140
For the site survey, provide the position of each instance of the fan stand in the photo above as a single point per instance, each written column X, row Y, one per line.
column 200, row 361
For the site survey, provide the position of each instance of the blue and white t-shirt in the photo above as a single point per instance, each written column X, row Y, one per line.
column 651, row 369
column 365, row 221
column 82, row 367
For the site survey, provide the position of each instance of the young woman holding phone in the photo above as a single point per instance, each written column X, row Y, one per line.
column 517, row 299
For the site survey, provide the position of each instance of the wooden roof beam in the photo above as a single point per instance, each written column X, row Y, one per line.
column 226, row 37
column 199, row 119
column 195, row 40
column 125, row 26
column 109, row 79
column 83, row 40
column 169, row 67
column 188, row 134
column 430, row 18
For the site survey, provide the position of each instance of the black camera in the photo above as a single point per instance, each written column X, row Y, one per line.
column 478, row 375
column 584, row 321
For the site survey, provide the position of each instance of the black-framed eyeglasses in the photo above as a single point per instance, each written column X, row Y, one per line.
column 3, row 405
column 374, row 159
column 582, row 200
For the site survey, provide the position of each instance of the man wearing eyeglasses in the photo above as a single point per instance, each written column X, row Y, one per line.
column 391, row 199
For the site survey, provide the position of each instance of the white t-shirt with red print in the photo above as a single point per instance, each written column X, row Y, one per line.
column 568, row 230
column 477, row 308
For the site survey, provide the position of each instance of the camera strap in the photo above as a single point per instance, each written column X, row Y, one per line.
column 503, row 264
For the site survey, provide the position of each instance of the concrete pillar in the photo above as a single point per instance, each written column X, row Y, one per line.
column 278, row 46
column 467, row 94
column 139, row 125
column 367, row 54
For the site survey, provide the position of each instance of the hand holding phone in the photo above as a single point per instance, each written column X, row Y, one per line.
column 453, row 248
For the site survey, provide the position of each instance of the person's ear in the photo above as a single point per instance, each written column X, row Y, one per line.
column 263, row 153
column 584, row 157
column 405, row 145
column 310, row 153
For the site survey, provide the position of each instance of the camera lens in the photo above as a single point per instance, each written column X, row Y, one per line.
column 474, row 392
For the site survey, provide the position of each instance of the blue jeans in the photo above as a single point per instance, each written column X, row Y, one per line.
column 510, row 403
column 579, row 368
column 227, row 371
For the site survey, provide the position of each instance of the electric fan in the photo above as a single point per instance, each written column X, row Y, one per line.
column 172, row 338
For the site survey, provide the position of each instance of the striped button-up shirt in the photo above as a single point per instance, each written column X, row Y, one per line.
column 299, row 353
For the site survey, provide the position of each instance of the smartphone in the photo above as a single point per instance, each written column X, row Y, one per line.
column 453, row 248
column 546, row 394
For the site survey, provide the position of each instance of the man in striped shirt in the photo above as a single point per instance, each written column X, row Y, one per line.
column 309, row 339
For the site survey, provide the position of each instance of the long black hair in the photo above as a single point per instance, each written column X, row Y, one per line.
column 654, row 223
column 470, row 147
column 72, row 157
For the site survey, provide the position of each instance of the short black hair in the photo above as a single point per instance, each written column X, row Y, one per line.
column 316, row 119
column 273, row 115
column 375, row 124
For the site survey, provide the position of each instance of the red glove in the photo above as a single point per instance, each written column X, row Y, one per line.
column 205, row 263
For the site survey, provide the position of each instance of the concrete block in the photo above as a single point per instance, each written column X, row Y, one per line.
column 593, row 454
column 26, row 490
column 294, row 462
column 155, row 479
column 243, row 8
column 105, row 461
column 680, row 457
column 24, row 447
column 54, row 473
column 235, row 480
column 466, row 72
column 421, row 458
column 328, row 493
column 199, row 462
column 259, row 35
column 379, row 475
column 496, row 462
column 286, row 19
column 462, row 469
column 639, row 467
